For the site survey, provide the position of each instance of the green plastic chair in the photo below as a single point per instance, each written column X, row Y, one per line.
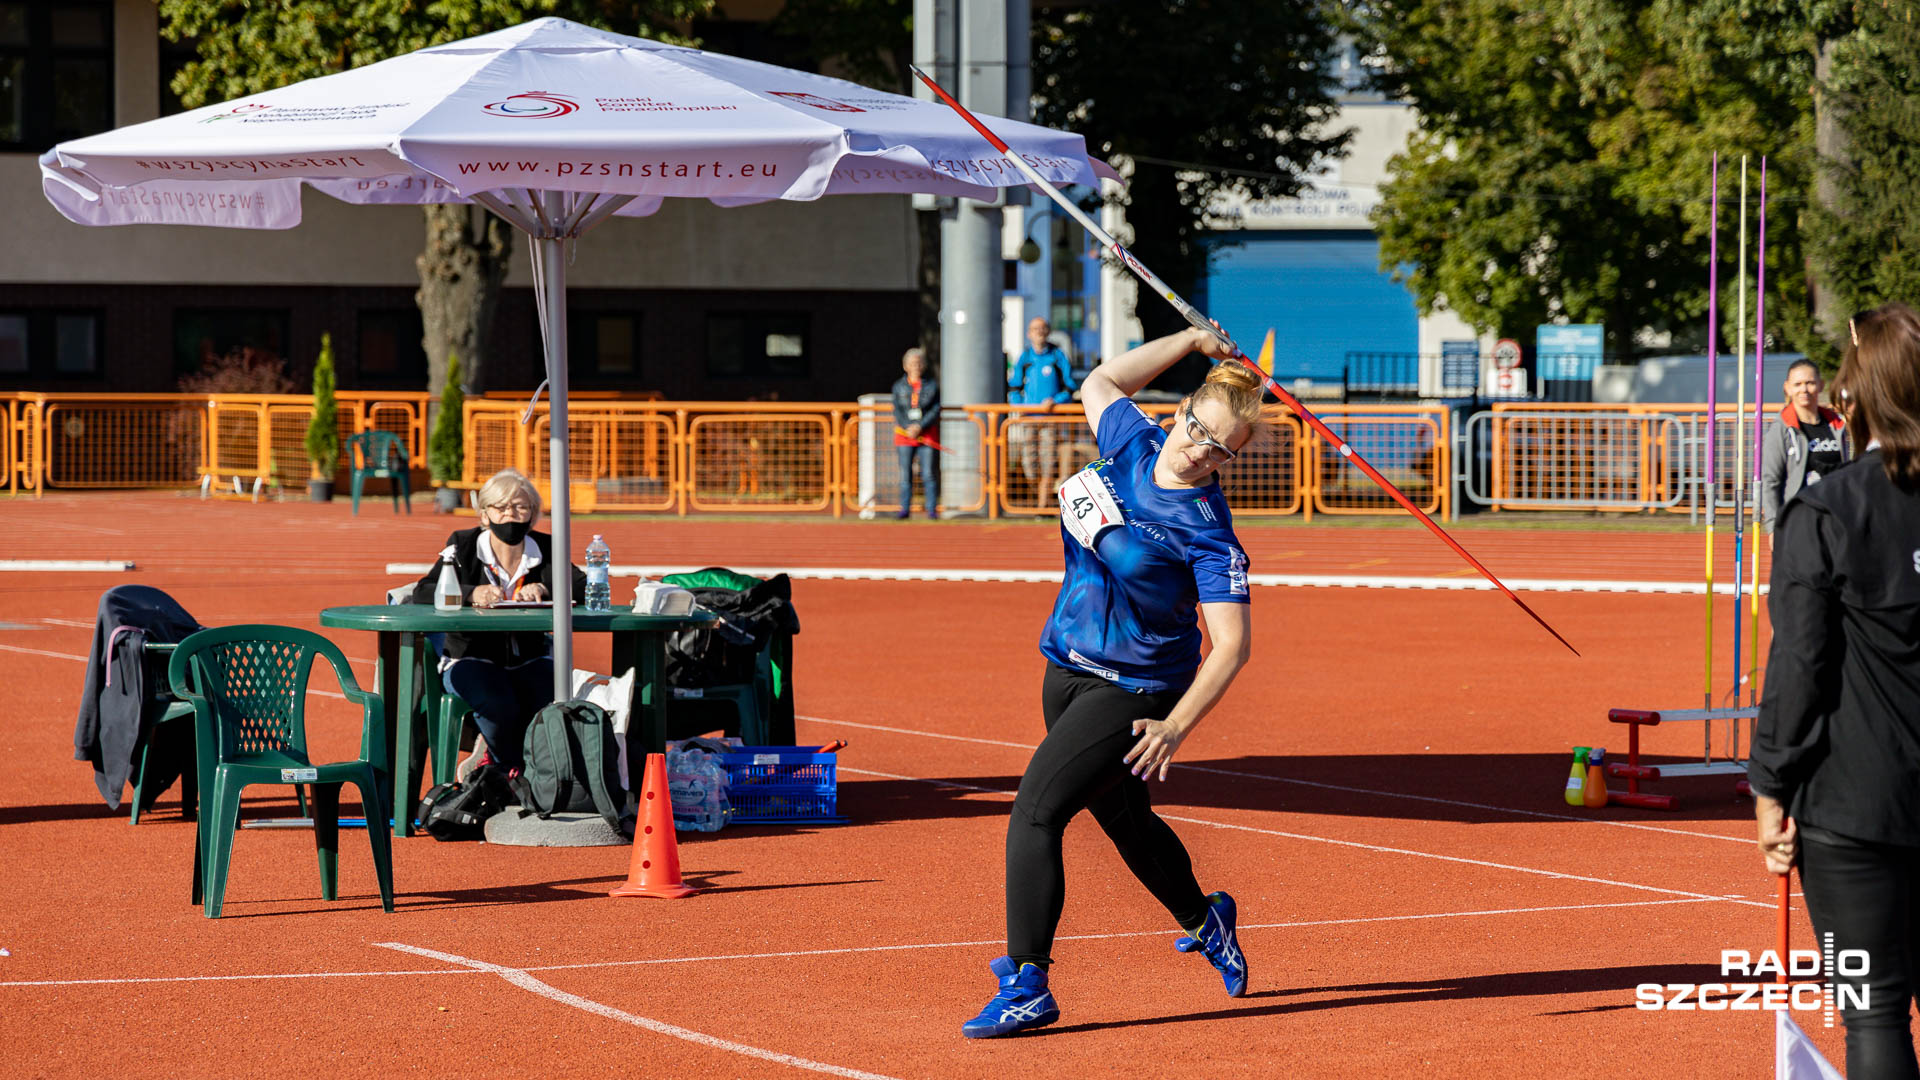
column 248, row 686
column 446, row 715
column 383, row 456
column 176, row 710
column 763, row 708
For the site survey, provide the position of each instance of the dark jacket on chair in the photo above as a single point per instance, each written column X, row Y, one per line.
column 507, row 650
column 124, row 697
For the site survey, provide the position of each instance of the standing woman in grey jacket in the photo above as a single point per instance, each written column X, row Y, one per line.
column 916, row 427
column 1836, row 757
column 1807, row 442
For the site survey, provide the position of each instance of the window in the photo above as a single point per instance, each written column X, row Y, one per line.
column 603, row 345
column 50, row 344
column 757, row 344
column 204, row 335
column 56, row 71
column 390, row 347
column 13, row 344
column 76, row 344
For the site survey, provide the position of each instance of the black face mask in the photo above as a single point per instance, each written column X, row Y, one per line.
column 510, row 532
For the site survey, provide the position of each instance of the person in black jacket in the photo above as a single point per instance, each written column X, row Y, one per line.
column 1835, row 769
column 916, row 430
column 507, row 676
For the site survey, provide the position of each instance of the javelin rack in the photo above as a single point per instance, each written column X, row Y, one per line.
column 1633, row 772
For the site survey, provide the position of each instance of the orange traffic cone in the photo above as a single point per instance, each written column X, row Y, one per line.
column 655, row 870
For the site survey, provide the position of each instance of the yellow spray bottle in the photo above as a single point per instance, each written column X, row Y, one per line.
column 1577, row 779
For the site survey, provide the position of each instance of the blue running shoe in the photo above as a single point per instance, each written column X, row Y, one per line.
column 1217, row 941
column 1023, row 1003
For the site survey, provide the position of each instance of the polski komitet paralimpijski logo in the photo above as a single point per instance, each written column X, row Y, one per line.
column 533, row 105
column 1841, row 982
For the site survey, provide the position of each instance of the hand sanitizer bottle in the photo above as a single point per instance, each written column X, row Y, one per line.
column 446, row 591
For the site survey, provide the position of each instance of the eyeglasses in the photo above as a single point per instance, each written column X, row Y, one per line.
column 512, row 509
column 1217, row 452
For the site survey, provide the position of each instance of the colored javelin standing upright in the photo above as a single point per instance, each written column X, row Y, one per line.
column 1150, row 550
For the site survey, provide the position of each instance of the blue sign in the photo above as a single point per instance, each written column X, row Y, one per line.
column 1570, row 352
column 1459, row 367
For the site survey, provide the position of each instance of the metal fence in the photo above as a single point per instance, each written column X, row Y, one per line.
column 1648, row 458
column 651, row 456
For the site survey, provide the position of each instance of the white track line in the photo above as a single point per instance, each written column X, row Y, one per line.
column 42, row 652
column 848, row 951
column 1307, row 783
column 852, row 950
column 64, row 566
column 1339, row 581
column 1357, row 844
column 530, row 984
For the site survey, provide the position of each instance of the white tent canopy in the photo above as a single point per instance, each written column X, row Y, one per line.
column 551, row 106
column 554, row 126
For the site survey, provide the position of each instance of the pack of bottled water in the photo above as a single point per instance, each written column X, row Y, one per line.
column 697, row 784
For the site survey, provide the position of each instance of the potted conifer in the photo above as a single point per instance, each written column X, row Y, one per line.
column 323, row 430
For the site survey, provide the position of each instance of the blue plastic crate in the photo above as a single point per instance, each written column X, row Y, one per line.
column 781, row 784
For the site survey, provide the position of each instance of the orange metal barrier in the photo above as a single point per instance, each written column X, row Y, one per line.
column 1408, row 445
column 9, row 441
column 870, row 463
column 652, row 456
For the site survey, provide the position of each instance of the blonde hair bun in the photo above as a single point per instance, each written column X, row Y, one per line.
column 1234, row 374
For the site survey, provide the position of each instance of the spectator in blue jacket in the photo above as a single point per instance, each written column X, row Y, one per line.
column 1041, row 379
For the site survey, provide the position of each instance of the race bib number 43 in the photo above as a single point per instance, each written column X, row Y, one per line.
column 1087, row 508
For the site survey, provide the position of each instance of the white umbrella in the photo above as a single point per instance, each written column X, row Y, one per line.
column 554, row 126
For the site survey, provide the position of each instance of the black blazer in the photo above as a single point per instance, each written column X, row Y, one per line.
column 507, row 650
column 1839, row 735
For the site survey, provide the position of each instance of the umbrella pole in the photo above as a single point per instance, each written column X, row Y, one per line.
column 550, row 264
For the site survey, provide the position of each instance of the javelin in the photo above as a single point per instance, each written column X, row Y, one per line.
column 1193, row 316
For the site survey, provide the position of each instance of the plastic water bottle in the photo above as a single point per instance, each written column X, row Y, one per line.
column 697, row 784
column 599, row 576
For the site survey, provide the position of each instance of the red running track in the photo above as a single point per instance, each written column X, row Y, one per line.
column 1381, row 792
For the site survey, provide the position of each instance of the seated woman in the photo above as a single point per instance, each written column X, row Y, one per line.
column 506, row 676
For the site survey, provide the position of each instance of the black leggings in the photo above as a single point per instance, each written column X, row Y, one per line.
column 1079, row 766
column 1868, row 897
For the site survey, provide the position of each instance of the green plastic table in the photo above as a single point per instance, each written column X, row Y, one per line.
column 639, row 646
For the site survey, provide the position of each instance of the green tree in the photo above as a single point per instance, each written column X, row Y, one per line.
column 323, row 428
column 446, row 448
column 1560, row 169
column 247, row 46
column 1239, row 88
column 1868, row 238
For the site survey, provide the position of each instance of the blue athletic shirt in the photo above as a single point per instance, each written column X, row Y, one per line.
column 1126, row 609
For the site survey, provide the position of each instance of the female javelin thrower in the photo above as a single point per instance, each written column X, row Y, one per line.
column 1147, row 536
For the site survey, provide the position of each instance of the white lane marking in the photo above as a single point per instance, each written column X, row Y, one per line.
column 82, row 659
column 42, row 652
column 235, row 978
column 530, row 984
column 64, row 566
column 1104, row 937
column 1355, row 844
column 1339, row 581
column 848, row 951
column 1309, row 783
column 68, row 622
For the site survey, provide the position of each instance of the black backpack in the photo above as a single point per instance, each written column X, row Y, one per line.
column 573, row 764
column 460, row 811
